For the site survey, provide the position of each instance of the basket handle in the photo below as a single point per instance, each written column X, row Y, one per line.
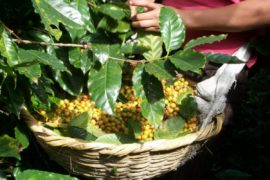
column 31, row 122
column 28, row 118
column 212, row 129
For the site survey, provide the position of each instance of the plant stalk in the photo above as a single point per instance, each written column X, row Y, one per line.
column 22, row 41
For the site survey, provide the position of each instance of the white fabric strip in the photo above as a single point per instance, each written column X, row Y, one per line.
column 211, row 93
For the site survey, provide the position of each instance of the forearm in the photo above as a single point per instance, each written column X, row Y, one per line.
column 247, row 15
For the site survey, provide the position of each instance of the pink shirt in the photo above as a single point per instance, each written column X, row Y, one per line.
column 227, row 46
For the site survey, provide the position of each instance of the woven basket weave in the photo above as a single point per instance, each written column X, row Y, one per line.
column 127, row 161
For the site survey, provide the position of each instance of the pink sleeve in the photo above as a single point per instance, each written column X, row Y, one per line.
column 236, row 1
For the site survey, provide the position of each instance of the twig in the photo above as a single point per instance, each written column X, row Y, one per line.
column 3, row 112
column 22, row 41
column 92, row 4
column 11, row 31
column 84, row 46
column 129, row 60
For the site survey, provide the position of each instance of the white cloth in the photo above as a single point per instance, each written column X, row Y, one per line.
column 211, row 93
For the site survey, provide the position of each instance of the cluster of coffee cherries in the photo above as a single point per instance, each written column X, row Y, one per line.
column 191, row 125
column 68, row 109
column 128, row 109
column 171, row 94
column 131, row 109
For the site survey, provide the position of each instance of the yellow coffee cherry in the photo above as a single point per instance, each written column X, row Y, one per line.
column 93, row 122
column 144, row 137
column 70, row 108
column 62, row 103
column 43, row 113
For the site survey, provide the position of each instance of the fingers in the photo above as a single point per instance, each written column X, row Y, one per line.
column 149, row 19
column 156, row 29
column 143, row 3
column 145, row 24
column 147, row 15
column 133, row 10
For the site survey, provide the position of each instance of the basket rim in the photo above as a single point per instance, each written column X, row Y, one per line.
column 53, row 139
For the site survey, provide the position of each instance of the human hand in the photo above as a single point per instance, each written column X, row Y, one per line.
column 149, row 19
column 133, row 7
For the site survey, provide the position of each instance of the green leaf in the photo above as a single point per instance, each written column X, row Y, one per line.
column 27, row 65
column 205, row 40
column 116, row 11
column 21, row 137
column 121, row 98
column 109, row 138
column 170, row 129
column 38, row 175
column 104, row 85
column 41, row 92
column 153, row 112
column 79, row 59
column 8, row 48
column 114, row 26
column 94, row 130
column 37, row 103
column 233, row 174
column 15, row 97
column 160, row 69
column 115, row 139
column 139, row 10
column 54, row 12
column 135, row 127
column 40, row 36
column 137, row 80
column 81, row 121
column 154, row 42
column 99, row 37
column 188, row 107
column 182, row 96
column 9, row 147
column 6, row 70
column 134, row 48
column 262, row 45
column 188, row 60
column 3, row 76
column 152, row 87
column 41, row 57
column 3, row 175
column 222, row 58
column 172, row 29
column 33, row 72
column 72, row 82
column 103, row 52
column 16, row 171
column 77, row 132
column 77, row 127
column 83, row 8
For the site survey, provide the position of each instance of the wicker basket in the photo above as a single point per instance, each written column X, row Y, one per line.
column 127, row 161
